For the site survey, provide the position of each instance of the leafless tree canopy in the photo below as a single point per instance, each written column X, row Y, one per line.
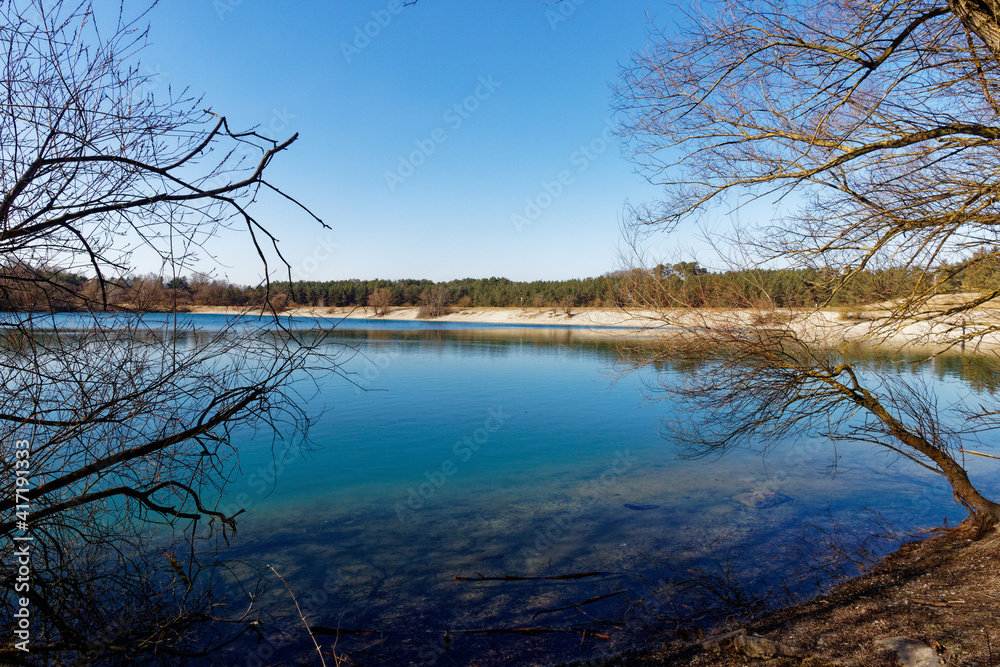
column 433, row 302
column 381, row 301
column 872, row 130
column 95, row 165
column 880, row 118
column 133, row 427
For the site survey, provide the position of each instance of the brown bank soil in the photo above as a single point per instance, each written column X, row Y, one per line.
column 943, row 592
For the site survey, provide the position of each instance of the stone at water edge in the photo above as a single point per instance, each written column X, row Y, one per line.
column 911, row 653
column 762, row 498
column 751, row 646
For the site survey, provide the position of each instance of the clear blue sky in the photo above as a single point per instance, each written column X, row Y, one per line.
column 412, row 185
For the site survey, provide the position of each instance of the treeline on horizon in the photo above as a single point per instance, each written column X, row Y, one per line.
column 683, row 284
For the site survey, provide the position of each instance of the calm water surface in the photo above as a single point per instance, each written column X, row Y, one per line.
column 467, row 451
column 483, row 452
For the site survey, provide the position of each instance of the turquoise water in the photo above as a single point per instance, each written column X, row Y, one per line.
column 448, row 451
column 493, row 453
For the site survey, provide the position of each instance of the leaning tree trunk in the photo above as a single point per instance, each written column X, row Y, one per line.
column 983, row 512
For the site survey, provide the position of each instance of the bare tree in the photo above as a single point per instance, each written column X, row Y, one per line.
column 147, row 293
column 433, row 302
column 567, row 304
column 871, row 132
column 381, row 301
column 130, row 429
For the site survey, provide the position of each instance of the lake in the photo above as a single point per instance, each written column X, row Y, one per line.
column 488, row 452
column 514, row 459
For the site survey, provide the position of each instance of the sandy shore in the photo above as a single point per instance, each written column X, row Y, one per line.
column 584, row 317
column 830, row 327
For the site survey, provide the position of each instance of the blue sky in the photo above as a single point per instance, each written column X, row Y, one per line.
column 454, row 139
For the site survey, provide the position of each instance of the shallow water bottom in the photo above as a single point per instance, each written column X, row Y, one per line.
column 388, row 570
column 570, row 475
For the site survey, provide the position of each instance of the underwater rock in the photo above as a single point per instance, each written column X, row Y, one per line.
column 760, row 499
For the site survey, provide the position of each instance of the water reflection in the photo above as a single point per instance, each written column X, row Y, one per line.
column 411, row 484
column 381, row 521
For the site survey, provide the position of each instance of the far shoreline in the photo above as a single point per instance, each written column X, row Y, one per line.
column 820, row 328
column 829, row 327
column 578, row 317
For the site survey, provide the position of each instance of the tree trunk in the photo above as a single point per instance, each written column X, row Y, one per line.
column 981, row 17
column 983, row 512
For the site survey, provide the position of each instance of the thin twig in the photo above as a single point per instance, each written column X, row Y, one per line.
column 577, row 605
column 513, row 577
column 299, row 609
column 969, row 451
